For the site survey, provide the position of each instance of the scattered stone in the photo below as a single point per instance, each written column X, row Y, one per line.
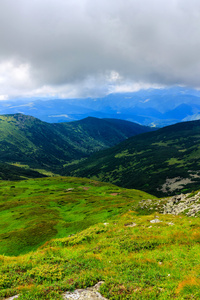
column 69, row 190
column 173, row 184
column 86, row 188
column 130, row 224
column 105, row 224
column 170, row 223
column 155, row 221
column 90, row 293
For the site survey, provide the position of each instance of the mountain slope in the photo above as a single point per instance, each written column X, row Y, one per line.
column 163, row 162
column 27, row 140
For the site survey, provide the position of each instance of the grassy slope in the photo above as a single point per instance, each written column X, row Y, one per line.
column 146, row 161
column 111, row 239
column 34, row 211
column 27, row 140
column 146, row 261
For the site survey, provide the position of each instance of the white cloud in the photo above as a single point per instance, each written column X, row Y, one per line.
column 133, row 87
column 91, row 47
column 4, row 97
column 15, row 79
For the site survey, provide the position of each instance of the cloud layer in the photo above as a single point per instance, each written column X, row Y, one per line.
column 92, row 47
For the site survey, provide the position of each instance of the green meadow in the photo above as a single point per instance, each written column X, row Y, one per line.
column 37, row 210
column 59, row 234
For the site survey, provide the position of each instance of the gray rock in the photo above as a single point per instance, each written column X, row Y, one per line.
column 181, row 203
column 12, row 298
column 155, row 221
column 90, row 293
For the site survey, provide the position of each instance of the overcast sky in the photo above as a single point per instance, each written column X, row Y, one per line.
column 79, row 48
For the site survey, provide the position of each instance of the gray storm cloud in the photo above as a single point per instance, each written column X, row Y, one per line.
column 89, row 44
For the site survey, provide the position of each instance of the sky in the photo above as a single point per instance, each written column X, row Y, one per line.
column 90, row 48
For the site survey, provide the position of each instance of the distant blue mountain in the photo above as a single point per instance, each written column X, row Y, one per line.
column 180, row 112
column 152, row 107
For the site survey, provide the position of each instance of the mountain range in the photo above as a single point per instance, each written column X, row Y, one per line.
column 152, row 107
column 161, row 162
column 25, row 140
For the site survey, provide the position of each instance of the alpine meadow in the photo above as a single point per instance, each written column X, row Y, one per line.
column 100, row 150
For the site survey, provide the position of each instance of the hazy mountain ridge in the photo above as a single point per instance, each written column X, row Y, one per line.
column 153, row 107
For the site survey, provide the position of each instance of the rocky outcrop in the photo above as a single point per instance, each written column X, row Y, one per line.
column 190, row 205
